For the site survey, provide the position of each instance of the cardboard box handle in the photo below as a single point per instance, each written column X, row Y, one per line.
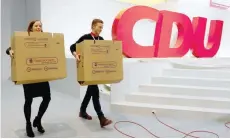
column 81, row 82
column 114, row 41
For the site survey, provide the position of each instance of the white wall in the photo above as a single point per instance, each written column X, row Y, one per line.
column 15, row 17
column 73, row 18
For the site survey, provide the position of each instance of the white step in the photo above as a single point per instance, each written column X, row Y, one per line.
column 185, row 90
column 169, row 110
column 187, row 81
column 198, row 65
column 216, row 74
column 180, row 100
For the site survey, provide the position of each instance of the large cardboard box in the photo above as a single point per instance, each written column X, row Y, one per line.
column 38, row 57
column 101, row 62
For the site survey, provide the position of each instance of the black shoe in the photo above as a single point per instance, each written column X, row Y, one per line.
column 29, row 130
column 37, row 124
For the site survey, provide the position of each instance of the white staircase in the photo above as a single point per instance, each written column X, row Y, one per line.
column 190, row 93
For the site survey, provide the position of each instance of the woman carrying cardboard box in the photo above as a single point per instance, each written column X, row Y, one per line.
column 34, row 90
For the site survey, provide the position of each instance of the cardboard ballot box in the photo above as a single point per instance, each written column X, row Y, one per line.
column 38, row 57
column 101, row 62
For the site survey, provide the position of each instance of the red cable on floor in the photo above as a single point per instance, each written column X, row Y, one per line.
column 186, row 134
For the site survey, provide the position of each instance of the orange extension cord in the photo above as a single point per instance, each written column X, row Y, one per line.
column 185, row 134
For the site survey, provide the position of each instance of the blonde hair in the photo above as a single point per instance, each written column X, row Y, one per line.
column 95, row 21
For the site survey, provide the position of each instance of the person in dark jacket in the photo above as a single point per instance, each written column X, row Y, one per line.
column 34, row 90
column 92, row 90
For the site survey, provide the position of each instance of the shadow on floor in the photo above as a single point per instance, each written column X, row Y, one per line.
column 53, row 130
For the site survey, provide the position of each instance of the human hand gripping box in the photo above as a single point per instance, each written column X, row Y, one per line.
column 38, row 57
column 101, row 62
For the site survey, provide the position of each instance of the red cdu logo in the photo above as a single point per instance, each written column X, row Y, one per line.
column 191, row 34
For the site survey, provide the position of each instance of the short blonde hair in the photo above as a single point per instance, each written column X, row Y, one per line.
column 95, row 21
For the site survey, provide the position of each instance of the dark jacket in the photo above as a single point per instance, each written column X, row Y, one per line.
column 81, row 39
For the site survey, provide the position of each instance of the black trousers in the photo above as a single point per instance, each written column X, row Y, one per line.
column 36, row 90
column 92, row 91
column 42, row 109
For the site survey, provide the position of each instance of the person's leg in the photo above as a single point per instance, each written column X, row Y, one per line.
column 97, row 106
column 42, row 109
column 96, row 101
column 84, row 104
column 27, row 113
column 27, row 109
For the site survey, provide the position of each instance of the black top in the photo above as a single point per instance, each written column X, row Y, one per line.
column 82, row 38
column 34, row 89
